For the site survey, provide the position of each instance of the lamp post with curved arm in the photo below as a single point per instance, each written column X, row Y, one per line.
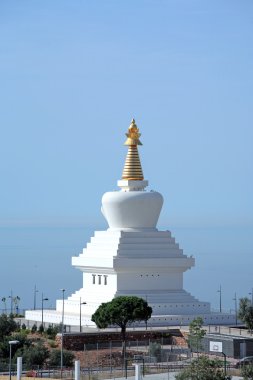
column 11, row 343
column 235, row 299
column 11, row 298
column 219, row 291
column 62, row 329
column 81, row 303
column 34, row 297
column 42, row 309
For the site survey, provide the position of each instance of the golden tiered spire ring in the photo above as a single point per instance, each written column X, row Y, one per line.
column 132, row 169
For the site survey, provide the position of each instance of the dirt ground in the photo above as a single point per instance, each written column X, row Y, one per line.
column 103, row 358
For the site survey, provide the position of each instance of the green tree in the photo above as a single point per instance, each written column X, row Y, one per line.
column 196, row 333
column 155, row 350
column 5, row 347
column 203, row 368
column 5, row 304
column 34, row 355
column 245, row 313
column 122, row 311
column 7, row 325
column 55, row 358
column 248, row 318
column 21, row 336
column 34, row 328
column 247, row 372
column 244, row 303
column 52, row 331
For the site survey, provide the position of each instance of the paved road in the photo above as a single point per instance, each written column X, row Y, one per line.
column 165, row 376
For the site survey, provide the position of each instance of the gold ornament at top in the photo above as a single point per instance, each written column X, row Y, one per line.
column 133, row 135
column 132, row 169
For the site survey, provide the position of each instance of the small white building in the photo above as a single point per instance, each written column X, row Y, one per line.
column 133, row 258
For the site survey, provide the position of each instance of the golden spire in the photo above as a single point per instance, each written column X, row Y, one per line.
column 132, row 169
column 133, row 134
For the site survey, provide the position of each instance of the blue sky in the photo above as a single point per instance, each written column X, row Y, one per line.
column 72, row 76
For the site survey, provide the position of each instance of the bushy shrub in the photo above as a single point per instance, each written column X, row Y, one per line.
column 5, row 347
column 203, row 368
column 34, row 329
column 52, row 331
column 247, row 372
column 55, row 358
column 7, row 325
column 34, row 355
column 52, row 343
column 155, row 350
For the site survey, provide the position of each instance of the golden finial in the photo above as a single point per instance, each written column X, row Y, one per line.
column 132, row 169
column 133, row 134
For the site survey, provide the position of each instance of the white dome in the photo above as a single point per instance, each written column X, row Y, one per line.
column 132, row 210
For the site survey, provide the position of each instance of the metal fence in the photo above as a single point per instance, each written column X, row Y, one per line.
column 95, row 373
column 152, row 351
column 102, row 372
column 104, row 360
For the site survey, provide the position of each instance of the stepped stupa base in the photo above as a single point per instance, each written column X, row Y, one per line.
column 72, row 320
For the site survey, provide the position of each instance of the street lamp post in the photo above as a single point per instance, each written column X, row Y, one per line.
column 42, row 309
column 34, row 297
column 11, row 343
column 81, row 303
column 235, row 299
column 219, row 291
column 62, row 329
column 11, row 298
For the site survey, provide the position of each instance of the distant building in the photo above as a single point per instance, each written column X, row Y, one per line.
column 133, row 258
column 231, row 345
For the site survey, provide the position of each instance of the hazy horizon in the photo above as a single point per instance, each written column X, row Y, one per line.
column 41, row 256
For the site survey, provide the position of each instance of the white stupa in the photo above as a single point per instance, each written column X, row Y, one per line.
column 133, row 258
